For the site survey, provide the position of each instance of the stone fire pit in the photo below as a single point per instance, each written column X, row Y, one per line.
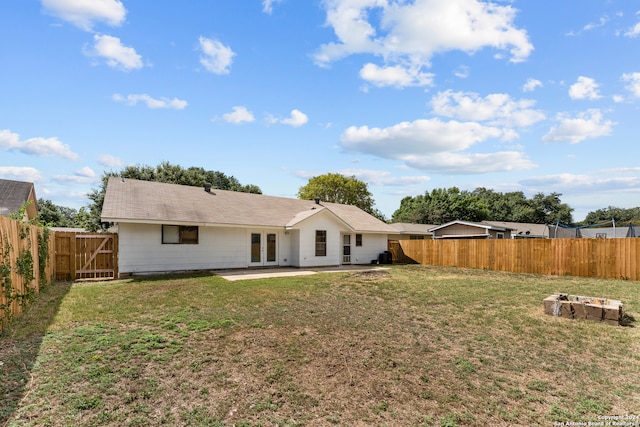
column 580, row 307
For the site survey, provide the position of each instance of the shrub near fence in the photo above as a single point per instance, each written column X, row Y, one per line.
column 22, row 247
column 605, row 258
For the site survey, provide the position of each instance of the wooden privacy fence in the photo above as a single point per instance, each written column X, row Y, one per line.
column 86, row 256
column 26, row 263
column 606, row 258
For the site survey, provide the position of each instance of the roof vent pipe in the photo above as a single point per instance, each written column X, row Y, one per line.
column 317, row 199
column 207, row 187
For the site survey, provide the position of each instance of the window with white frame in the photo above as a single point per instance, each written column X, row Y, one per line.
column 321, row 242
column 179, row 235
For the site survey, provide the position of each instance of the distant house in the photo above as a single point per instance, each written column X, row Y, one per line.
column 523, row 230
column 409, row 231
column 16, row 194
column 470, row 230
column 167, row 227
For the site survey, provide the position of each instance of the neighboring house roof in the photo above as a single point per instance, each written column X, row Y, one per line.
column 409, row 228
column 68, row 229
column 471, row 224
column 14, row 195
column 523, row 229
column 129, row 200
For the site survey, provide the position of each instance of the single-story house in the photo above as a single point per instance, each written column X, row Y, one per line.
column 410, row 231
column 16, row 194
column 523, row 230
column 469, row 230
column 168, row 227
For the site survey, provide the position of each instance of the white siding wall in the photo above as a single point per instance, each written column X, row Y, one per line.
column 372, row 246
column 294, row 238
column 284, row 249
column 307, row 242
column 141, row 249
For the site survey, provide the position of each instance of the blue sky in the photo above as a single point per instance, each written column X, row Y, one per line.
column 407, row 96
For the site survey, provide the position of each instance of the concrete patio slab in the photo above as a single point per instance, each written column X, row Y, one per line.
column 262, row 273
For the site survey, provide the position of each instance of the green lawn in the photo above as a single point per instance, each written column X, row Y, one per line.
column 412, row 346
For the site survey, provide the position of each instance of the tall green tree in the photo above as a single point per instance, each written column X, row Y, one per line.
column 511, row 207
column 337, row 188
column 447, row 204
column 615, row 213
column 56, row 216
column 441, row 206
column 550, row 210
column 164, row 172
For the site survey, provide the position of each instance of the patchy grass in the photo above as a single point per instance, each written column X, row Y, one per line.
column 413, row 346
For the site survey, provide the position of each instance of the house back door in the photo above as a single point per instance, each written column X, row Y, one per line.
column 346, row 249
column 263, row 248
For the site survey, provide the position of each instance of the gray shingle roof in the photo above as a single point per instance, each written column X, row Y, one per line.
column 128, row 200
column 13, row 195
column 410, row 228
column 523, row 229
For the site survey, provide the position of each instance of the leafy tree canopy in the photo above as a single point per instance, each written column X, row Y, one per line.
column 164, row 172
column 441, row 206
column 337, row 188
column 54, row 215
column 631, row 215
column 448, row 204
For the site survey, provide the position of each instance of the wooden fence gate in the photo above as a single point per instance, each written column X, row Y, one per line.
column 86, row 256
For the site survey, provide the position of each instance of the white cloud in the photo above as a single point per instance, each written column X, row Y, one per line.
column 462, row 72
column 531, row 85
column 617, row 98
column 384, row 178
column 110, row 161
column 375, row 177
column 239, row 115
column 593, row 25
column 397, row 75
column 496, row 109
column 20, row 173
column 114, row 53
column 85, row 13
column 586, row 125
column 471, row 163
column 81, row 176
column 153, row 103
column 633, row 31
column 297, row 119
column 411, row 33
column 584, row 88
column 633, row 80
column 434, row 145
column 585, row 183
column 41, row 147
column 418, row 138
column 216, row 57
column 86, row 172
column 267, row 5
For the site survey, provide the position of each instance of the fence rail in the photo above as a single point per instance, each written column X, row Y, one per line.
column 606, row 258
column 20, row 272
